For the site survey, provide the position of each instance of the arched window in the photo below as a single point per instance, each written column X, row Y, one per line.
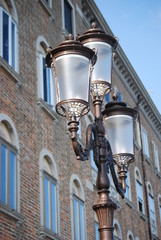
column 46, row 87
column 139, row 191
column 8, row 36
column 9, row 164
column 77, row 208
column 117, row 231
column 151, row 209
column 48, row 193
column 130, row 236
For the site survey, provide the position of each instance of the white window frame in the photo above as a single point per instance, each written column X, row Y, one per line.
column 54, row 177
column 128, row 186
column 152, row 209
column 50, row 100
column 97, row 234
column 41, row 46
column 92, row 159
column 65, row 32
column 145, row 141
column 155, row 156
column 5, row 118
column 138, row 182
column 73, row 178
column 137, row 133
column 80, row 202
column 49, row 3
column 51, row 180
column 10, row 19
column 119, row 230
column 9, row 148
column 130, row 235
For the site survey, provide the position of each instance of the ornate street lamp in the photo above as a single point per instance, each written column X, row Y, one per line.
column 72, row 63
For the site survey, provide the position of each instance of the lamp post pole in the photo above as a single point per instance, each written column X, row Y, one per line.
column 78, row 71
column 104, row 206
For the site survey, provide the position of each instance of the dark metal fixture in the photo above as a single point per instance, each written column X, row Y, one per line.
column 82, row 67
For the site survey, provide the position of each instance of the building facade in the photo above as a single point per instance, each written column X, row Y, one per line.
column 45, row 193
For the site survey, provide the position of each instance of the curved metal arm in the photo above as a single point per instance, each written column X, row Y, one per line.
column 81, row 154
column 118, row 185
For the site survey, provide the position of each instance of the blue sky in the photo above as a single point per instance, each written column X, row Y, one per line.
column 137, row 24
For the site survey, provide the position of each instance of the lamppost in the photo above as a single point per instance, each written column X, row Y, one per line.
column 82, row 67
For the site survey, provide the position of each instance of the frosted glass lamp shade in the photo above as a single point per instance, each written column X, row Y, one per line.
column 120, row 134
column 119, row 124
column 71, row 64
column 103, row 45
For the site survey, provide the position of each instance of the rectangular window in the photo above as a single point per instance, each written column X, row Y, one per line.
column 96, row 231
column 78, row 219
column 68, row 16
column 3, row 174
column 92, row 158
column 152, row 213
column 139, row 196
column 137, row 133
column 155, row 156
column 145, row 142
column 46, row 82
column 8, row 39
column 7, row 176
column 127, row 193
column 12, row 174
column 50, row 212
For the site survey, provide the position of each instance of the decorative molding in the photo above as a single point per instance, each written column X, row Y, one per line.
column 47, row 108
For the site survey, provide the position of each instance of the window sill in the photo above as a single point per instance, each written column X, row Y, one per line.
column 154, row 237
column 46, row 107
column 137, row 146
column 10, row 71
column 142, row 215
column 12, row 213
column 129, row 203
column 158, row 173
column 47, row 9
column 147, row 159
column 44, row 232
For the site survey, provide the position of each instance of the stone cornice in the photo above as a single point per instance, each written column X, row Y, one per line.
column 124, row 69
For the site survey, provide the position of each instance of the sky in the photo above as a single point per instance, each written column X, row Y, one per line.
column 137, row 24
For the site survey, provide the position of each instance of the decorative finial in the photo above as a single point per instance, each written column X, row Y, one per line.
column 93, row 25
column 115, row 97
column 69, row 37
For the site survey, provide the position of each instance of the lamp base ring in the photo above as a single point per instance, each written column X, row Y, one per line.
column 72, row 108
